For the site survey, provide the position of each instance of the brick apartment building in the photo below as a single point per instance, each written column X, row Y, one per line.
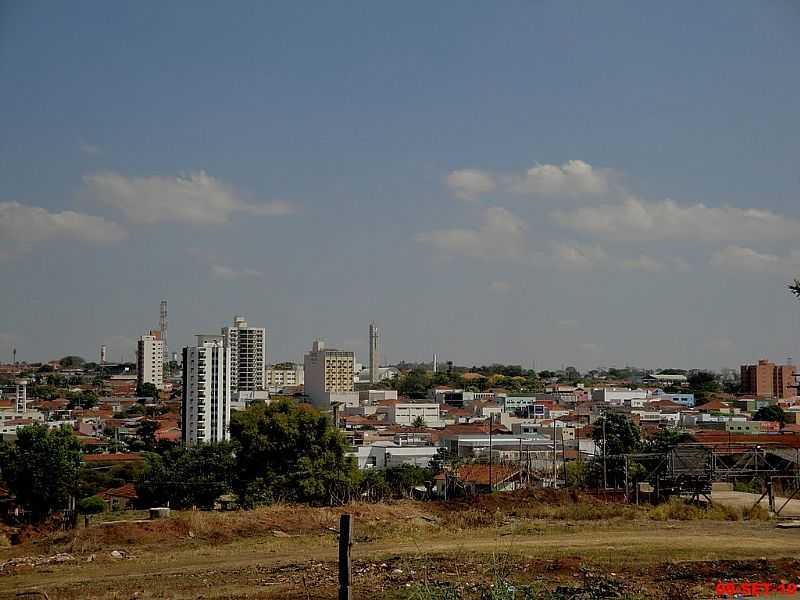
column 768, row 380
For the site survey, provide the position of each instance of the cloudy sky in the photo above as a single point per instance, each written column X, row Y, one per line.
column 567, row 183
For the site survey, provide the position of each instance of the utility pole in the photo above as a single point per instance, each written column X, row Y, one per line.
column 605, row 471
column 555, row 485
column 491, row 426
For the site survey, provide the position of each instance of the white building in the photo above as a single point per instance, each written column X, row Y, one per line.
column 150, row 360
column 248, row 351
column 381, row 374
column 617, row 396
column 206, row 390
column 370, row 397
column 406, row 413
column 328, row 371
column 388, row 454
column 276, row 379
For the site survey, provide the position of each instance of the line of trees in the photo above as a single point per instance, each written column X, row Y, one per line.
column 278, row 452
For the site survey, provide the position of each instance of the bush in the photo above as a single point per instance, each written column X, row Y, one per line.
column 91, row 505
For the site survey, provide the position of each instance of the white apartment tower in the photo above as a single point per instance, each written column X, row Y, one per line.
column 206, row 410
column 327, row 372
column 150, row 359
column 374, row 352
column 248, row 350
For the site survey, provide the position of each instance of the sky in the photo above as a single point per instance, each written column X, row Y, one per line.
column 537, row 182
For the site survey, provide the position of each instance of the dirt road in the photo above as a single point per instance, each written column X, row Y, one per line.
column 303, row 567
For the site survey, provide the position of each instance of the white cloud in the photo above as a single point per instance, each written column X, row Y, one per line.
column 637, row 220
column 468, row 184
column 22, row 225
column 573, row 177
column 230, row 273
column 739, row 258
column 195, row 198
column 576, row 257
column 501, row 235
column 567, row 323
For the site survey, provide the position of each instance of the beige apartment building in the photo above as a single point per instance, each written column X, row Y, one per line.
column 328, row 375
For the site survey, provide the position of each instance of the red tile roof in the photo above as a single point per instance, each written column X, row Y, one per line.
column 126, row 491
column 479, row 473
column 110, row 458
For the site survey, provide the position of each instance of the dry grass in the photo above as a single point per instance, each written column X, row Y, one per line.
column 523, row 511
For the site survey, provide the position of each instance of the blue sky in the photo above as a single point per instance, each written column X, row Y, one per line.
column 572, row 183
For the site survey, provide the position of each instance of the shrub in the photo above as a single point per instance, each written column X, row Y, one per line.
column 91, row 505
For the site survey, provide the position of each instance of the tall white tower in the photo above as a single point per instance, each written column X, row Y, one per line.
column 103, row 354
column 247, row 347
column 162, row 327
column 374, row 352
column 206, row 409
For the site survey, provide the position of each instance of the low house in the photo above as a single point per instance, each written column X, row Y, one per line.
column 120, row 498
column 478, row 478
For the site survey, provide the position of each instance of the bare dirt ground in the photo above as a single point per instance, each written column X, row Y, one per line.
column 744, row 500
column 290, row 552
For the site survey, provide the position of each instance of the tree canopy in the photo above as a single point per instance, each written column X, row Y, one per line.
column 289, row 452
column 703, row 384
column 770, row 413
column 41, row 468
column 188, row 476
column 71, row 362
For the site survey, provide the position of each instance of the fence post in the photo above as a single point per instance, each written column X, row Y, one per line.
column 771, row 494
column 345, row 541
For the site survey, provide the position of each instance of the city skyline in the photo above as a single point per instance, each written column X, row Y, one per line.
column 570, row 185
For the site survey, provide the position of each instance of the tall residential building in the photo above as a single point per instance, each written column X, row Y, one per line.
column 768, row 380
column 374, row 352
column 150, row 359
column 206, row 409
column 328, row 374
column 248, row 350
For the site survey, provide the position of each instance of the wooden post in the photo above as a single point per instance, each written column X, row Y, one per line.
column 345, row 541
column 771, row 494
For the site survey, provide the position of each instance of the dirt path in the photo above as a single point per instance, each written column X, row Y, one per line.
column 744, row 500
column 304, row 567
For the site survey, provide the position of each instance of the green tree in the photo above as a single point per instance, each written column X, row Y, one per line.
column 91, row 505
column 147, row 390
column 703, row 385
column 770, row 413
column 84, row 399
column 290, row 452
column 666, row 439
column 403, row 478
column 419, row 422
column 416, row 383
column 42, row 468
column 71, row 362
column 188, row 476
column 619, row 436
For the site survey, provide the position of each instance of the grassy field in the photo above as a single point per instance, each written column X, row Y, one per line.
column 415, row 550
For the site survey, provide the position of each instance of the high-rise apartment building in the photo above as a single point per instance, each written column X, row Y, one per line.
column 328, row 373
column 374, row 352
column 248, row 351
column 768, row 380
column 150, row 359
column 206, row 409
